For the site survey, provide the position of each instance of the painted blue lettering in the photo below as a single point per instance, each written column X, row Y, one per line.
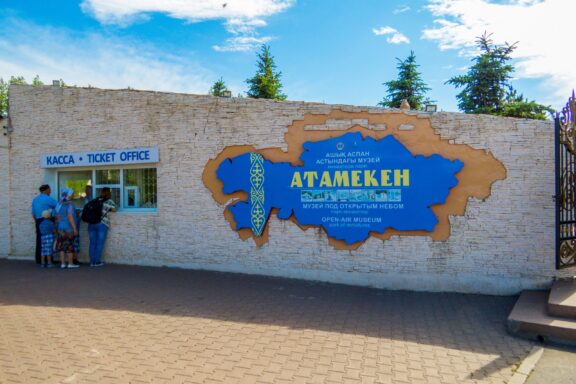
column 60, row 160
column 134, row 155
column 101, row 157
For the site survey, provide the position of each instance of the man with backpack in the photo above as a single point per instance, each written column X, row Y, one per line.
column 96, row 214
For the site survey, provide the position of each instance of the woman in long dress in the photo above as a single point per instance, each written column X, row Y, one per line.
column 67, row 230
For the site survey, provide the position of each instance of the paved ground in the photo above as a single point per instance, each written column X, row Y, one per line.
column 556, row 366
column 120, row 324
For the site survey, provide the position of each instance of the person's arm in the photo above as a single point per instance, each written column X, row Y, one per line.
column 111, row 205
column 72, row 219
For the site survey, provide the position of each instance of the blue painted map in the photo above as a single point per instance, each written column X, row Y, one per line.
column 348, row 185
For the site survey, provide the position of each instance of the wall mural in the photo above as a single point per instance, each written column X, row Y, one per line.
column 391, row 175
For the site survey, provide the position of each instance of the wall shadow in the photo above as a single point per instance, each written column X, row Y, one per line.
column 466, row 322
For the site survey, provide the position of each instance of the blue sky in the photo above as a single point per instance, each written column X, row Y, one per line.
column 332, row 51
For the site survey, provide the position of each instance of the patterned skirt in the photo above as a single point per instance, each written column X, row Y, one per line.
column 47, row 242
column 64, row 242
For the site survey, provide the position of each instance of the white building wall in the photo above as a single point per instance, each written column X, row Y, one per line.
column 4, row 189
column 501, row 245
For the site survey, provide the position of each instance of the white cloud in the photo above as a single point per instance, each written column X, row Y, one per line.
column 95, row 60
column 542, row 28
column 115, row 11
column 241, row 44
column 241, row 17
column 401, row 9
column 395, row 36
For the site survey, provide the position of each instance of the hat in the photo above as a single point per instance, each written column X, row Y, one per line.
column 47, row 213
column 44, row 187
column 67, row 193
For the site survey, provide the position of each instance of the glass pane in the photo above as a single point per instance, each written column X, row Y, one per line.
column 108, row 176
column 140, row 188
column 77, row 180
column 115, row 194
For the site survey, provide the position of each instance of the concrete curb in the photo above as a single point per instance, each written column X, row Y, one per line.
column 527, row 366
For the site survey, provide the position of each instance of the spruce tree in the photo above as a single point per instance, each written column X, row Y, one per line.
column 409, row 86
column 486, row 87
column 218, row 88
column 265, row 84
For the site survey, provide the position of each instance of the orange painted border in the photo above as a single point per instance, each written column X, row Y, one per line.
column 481, row 169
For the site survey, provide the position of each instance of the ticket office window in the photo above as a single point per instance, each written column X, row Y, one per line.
column 133, row 189
column 77, row 180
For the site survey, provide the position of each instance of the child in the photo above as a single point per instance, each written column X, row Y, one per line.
column 46, row 238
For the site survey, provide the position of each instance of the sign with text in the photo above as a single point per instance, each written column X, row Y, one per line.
column 349, row 185
column 100, row 158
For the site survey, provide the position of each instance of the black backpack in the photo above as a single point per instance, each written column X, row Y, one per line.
column 92, row 212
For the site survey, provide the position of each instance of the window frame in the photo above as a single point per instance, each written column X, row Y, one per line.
column 121, row 207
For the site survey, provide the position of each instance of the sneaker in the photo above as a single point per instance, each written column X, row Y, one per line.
column 49, row 265
column 63, row 266
column 98, row 265
column 73, row 266
column 42, row 265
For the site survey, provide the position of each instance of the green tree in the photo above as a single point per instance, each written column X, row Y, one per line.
column 218, row 88
column 3, row 97
column 36, row 82
column 4, row 86
column 266, row 82
column 16, row 80
column 518, row 106
column 409, row 86
column 486, row 87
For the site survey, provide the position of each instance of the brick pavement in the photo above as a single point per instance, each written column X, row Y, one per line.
column 121, row 324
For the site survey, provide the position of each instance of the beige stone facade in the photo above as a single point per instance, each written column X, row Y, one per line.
column 501, row 245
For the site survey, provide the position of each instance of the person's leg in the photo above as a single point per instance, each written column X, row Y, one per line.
column 77, row 245
column 102, row 233
column 71, row 260
column 93, row 237
column 62, row 259
column 45, row 249
column 38, row 241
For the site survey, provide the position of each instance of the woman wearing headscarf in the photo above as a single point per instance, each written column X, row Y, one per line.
column 67, row 229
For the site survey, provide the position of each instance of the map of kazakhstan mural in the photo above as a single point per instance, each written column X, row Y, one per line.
column 348, row 185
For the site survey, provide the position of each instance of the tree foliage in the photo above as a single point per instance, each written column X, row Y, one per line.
column 409, row 85
column 4, row 86
column 218, row 88
column 486, row 87
column 265, row 84
column 16, row 80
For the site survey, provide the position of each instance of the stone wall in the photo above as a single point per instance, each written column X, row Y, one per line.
column 501, row 245
column 4, row 188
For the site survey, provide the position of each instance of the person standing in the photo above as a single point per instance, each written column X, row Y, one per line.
column 47, row 232
column 87, row 198
column 67, row 230
column 41, row 203
column 99, row 231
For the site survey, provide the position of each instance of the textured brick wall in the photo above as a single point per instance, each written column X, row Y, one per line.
column 4, row 190
column 501, row 245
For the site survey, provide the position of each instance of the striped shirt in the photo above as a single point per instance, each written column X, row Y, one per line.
column 107, row 207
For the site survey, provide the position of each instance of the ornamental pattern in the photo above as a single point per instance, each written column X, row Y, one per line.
column 257, row 210
column 566, row 185
column 568, row 125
